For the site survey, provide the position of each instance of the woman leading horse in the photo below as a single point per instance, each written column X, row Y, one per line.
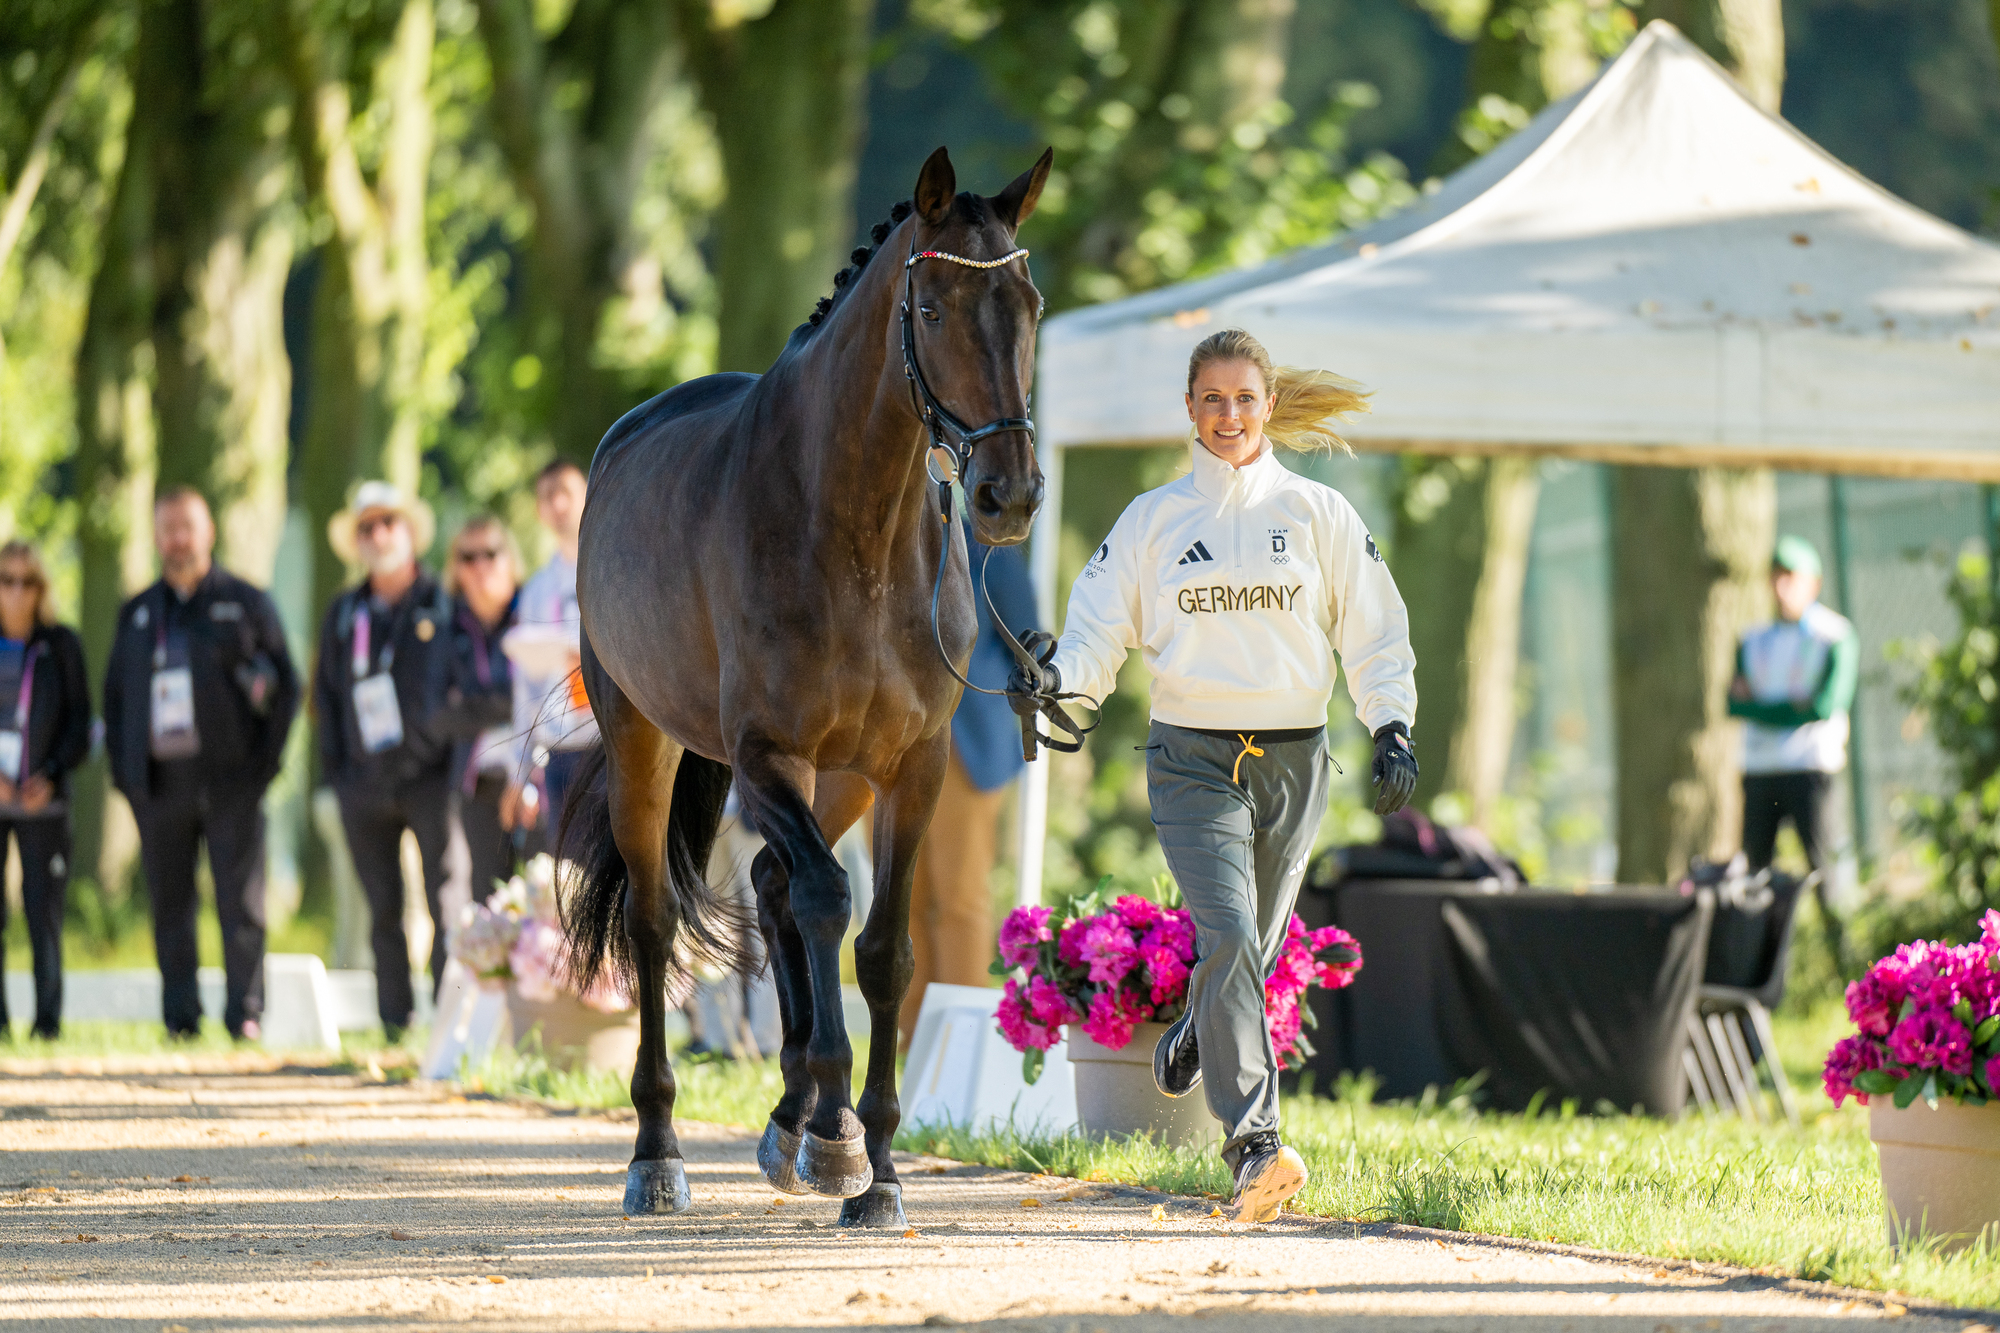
column 755, row 580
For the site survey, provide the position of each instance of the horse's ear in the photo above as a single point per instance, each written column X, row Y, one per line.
column 1018, row 200
column 937, row 186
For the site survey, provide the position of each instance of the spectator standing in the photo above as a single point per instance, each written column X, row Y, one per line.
column 551, row 713
column 44, row 733
column 951, row 901
column 1794, row 687
column 199, row 697
column 483, row 577
column 386, row 666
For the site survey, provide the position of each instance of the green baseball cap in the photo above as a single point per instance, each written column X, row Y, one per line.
column 1796, row 555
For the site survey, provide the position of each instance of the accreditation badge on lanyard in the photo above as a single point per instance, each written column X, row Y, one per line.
column 376, row 712
column 172, row 716
column 14, row 737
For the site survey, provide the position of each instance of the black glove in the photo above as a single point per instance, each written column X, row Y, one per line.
column 1394, row 769
column 1025, row 685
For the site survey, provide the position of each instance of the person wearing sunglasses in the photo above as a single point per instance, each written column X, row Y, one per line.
column 44, row 733
column 483, row 576
column 199, row 697
column 381, row 691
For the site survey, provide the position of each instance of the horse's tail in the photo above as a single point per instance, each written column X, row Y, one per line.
column 708, row 927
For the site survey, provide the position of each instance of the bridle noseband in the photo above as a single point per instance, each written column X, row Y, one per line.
column 938, row 420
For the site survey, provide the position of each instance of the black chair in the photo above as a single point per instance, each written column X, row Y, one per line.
column 1732, row 1053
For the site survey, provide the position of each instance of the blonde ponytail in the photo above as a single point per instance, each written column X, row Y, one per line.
column 1308, row 400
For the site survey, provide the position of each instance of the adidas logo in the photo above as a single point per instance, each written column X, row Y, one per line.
column 1195, row 555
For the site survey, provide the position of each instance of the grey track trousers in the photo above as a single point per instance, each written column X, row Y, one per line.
column 1238, row 850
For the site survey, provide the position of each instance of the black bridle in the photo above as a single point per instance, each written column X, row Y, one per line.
column 949, row 435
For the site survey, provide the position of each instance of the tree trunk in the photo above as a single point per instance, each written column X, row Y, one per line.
column 1482, row 742
column 571, row 114
column 785, row 91
column 1439, row 540
column 1690, row 550
column 1690, row 555
column 363, row 412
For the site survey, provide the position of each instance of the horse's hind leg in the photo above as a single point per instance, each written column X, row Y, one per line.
column 883, row 965
column 643, row 762
column 777, row 789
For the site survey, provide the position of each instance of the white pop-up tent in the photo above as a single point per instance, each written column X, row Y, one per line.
column 1653, row 270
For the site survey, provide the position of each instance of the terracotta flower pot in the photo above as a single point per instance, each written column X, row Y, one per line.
column 1940, row 1168
column 575, row 1036
column 1115, row 1094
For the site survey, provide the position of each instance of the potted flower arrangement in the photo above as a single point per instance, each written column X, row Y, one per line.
column 513, row 941
column 1926, row 1063
column 1114, row 974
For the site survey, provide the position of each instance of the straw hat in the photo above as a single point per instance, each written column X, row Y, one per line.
column 380, row 497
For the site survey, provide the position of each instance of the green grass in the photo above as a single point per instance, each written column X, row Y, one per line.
column 93, row 1038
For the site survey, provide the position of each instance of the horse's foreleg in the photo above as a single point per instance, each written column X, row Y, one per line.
column 883, row 965
column 777, row 790
column 643, row 764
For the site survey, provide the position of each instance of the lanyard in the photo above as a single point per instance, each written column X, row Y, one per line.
column 363, row 625
column 25, row 700
column 481, row 664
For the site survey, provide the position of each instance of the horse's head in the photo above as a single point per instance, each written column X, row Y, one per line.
column 971, row 331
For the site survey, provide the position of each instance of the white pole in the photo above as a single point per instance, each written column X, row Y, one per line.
column 1034, row 782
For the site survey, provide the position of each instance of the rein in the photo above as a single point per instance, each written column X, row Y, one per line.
column 938, row 420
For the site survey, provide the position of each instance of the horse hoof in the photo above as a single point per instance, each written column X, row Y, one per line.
column 881, row 1205
column 777, row 1158
column 657, row 1187
column 835, row 1168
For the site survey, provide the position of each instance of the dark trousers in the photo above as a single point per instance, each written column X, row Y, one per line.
column 172, row 821
column 557, row 774
column 1769, row 799
column 374, row 819
column 44, row 847
column 491, row 846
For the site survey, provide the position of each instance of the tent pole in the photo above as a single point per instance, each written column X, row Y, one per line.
column 1044, row 551
column 1843, row 573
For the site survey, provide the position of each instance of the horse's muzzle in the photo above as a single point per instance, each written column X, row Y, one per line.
column 1003, row 508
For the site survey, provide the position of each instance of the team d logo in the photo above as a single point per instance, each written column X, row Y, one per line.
column 1279, row 555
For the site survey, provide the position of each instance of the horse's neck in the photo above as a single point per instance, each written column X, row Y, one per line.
column 853, row 439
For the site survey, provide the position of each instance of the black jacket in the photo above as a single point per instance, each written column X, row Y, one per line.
column 232, row 630
column 424, row 668
column 480, row 694
column 58, row 736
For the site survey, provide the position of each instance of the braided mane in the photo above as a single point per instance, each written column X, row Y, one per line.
column 858, row 261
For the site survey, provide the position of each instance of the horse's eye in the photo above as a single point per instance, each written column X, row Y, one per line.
column 929, row 312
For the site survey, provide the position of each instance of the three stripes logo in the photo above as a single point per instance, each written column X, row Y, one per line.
column 1195, row 555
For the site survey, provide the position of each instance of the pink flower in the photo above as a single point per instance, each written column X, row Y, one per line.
column 1989, row 927
column 1101, row 944
column 1022, row 934
column 1872, row 1004
column 1020, row 1030
column 1113, row 1015
column 536, row 954
column 1993, row 1073
column 1047, row 1005
column 1849, row 1058
column 1167, row 950
column 1337, row 956
column 1932, row 1040
column 1138, row 912
column 1283, row 1021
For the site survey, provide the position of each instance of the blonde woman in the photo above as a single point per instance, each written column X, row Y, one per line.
column 1240, row 583
column 483, row 577
column 44, row 733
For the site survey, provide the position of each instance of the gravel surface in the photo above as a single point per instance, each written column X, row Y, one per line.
column 188, row 1196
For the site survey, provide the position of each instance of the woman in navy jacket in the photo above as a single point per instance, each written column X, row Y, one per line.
column 44, row 733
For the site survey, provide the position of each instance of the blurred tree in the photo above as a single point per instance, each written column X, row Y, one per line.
column 784, row 89
column 1691, row 550
column 1467, row 549
column 180, row 371
column 373, row 295
column 60, row 34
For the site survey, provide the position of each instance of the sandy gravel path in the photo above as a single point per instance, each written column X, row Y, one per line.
column 299, row 1201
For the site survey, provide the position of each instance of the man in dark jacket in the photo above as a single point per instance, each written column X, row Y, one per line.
column 198, row 699
column 381, row 693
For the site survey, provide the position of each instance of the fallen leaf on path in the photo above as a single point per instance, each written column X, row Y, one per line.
column 911, row 1234
column 936, row 1171
column 1159, row 1213
column 401, row 1235
column 649, row 1271
column 778, row 1202
column 80, row 1236
column 1894, row 1311
column 1215, row 1212
column 1031, row 1203
column 498, row 1280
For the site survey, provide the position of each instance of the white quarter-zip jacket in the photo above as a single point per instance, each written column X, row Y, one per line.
column 1239, row 585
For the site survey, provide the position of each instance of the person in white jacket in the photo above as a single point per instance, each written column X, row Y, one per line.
column 1240, row 582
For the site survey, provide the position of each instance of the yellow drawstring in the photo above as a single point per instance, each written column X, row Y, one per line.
column 1249, row 748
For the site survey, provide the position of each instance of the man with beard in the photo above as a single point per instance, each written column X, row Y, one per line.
column 198, row 700
column 385, row 669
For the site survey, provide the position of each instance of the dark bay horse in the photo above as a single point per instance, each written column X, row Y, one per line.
column 755, row 579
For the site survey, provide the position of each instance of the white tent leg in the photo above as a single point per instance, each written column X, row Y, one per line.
column 1043, row 553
